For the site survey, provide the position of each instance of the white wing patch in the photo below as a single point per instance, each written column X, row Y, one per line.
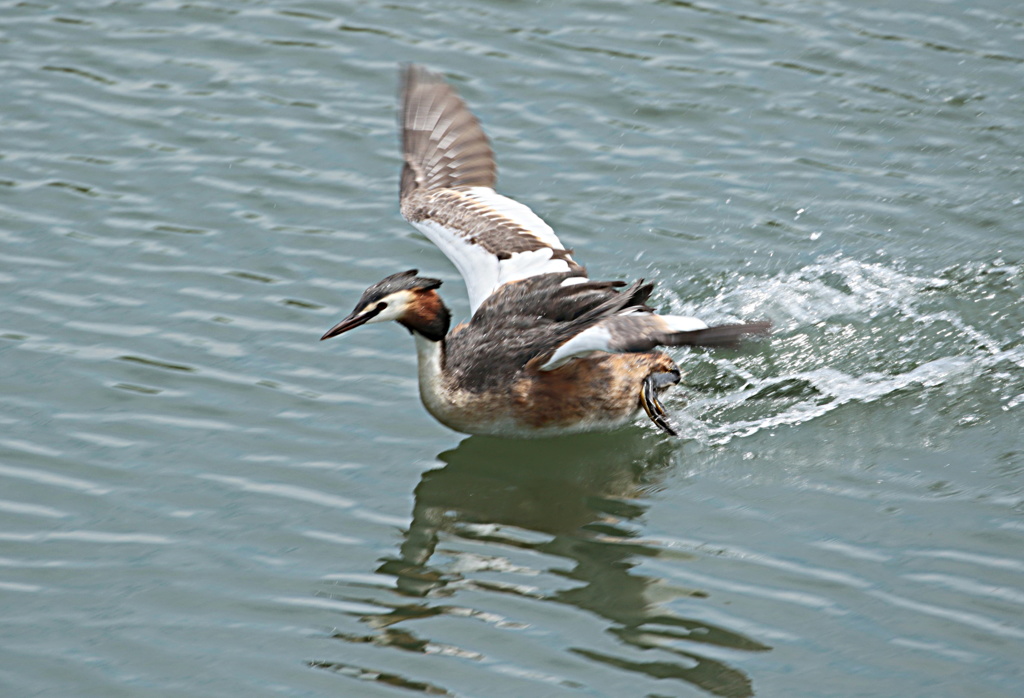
column 592, row 339
column 613, row 335
column 523, row 265
column 683, row 323
column 517, row 213
column 481, row 269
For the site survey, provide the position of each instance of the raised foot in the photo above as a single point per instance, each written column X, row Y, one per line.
column 650, row 402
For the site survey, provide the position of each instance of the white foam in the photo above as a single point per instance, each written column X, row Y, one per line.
column 853, row 332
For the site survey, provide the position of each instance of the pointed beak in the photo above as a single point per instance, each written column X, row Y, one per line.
column 351, row 322
column 345, row 325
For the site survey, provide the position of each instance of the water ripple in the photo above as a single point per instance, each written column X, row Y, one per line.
column 52, row 479
column 279, row 490
column 192, row 192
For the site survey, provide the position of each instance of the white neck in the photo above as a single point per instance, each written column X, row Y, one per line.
column 428, row 357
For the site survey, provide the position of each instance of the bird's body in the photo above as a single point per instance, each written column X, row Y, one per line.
column 547, row 350
column 489, row 378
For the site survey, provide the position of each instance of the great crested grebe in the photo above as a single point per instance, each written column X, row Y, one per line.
column 547, row 351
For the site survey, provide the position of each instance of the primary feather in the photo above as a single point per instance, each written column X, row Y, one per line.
column 447, row 193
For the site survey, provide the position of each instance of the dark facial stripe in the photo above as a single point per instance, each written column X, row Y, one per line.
column 353, row 321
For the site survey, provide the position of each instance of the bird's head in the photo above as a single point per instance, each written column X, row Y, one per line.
column 405, row 298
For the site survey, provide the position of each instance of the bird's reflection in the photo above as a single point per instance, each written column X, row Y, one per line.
column 569, row 488
column 575, row 498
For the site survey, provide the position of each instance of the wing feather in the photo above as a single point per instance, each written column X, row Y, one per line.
column 443, row 143
column 642, row 331
column 447, row 192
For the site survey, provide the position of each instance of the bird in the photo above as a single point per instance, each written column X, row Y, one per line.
column 547, row 350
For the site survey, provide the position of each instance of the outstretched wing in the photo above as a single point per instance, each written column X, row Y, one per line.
column 447, row 192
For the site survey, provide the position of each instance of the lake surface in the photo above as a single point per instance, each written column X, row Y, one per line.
column 197, row 497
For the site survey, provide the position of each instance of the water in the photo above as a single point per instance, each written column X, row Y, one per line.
column 197, row 496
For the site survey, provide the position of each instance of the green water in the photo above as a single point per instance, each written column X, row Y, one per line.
column 197, row 497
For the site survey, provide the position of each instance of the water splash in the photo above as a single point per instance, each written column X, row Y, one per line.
column 851, row 331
